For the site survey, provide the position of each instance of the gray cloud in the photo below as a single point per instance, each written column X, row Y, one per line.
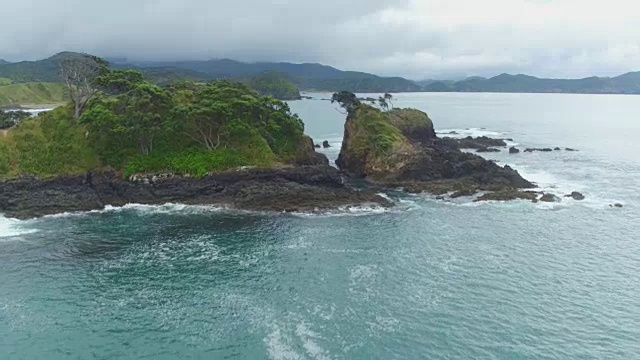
column 413, row 38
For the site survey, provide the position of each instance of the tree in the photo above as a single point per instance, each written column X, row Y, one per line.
column 145, row 112
column 347, row 100
column 384, row 105
column 132, row 118
column 79, row 74
column 117, row 82
column 388, row 97
column 11, row 118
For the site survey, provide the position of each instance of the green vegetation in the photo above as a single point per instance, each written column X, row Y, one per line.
column 374, row 133
column 32, row 94
column 9, row 119
column 276, row 85
column 134, row 126
column 5, row 81
column 409, row 119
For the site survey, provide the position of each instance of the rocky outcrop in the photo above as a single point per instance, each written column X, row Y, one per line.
column 507, row 195
column 487, row 150
column 576, row 196
column 481, row 142
column 306, row 188
column 401, row 149
column 325, row 144
column 306, row 154
column 514, row 150
column 548, row 197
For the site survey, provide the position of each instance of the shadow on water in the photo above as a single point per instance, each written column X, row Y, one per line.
column 108, row 235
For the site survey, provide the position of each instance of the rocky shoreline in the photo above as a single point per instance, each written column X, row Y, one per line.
column 304, row 188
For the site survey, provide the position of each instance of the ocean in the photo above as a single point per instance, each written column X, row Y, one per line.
column 428, row 279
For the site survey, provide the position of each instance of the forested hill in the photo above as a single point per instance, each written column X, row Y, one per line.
column 304, row 76
column 628, row 83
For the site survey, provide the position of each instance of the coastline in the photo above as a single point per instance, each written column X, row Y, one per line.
column 294, row 189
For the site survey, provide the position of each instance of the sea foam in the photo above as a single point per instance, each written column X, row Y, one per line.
column 11, row 228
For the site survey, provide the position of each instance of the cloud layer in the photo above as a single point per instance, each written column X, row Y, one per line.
column 412, row 38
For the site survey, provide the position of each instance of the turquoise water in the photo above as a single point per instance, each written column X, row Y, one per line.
column 427, row 280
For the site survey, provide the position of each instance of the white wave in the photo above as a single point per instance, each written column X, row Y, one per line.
column 278, row 346
column 11, row 228
column 309, row 342
column 462, row 133
column 362, row 210
column 142, row 209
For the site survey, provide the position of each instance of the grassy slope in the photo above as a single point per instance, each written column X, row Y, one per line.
column 32, row 94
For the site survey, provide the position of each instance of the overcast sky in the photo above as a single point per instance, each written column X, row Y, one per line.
column 412, row 38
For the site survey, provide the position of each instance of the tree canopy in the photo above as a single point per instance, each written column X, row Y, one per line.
column 132, row 125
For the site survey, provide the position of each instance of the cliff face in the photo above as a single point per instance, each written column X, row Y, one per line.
column 400, row 148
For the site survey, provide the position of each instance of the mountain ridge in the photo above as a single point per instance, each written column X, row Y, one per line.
column 307, row 76
column 628, row 83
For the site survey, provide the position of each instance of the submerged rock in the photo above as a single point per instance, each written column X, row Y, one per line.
column 506, row 195
column 576, row 196
column 514, row 150
column 557, row 149
column 548, row 197
column 400, row 149
column 480, row 142
column 570, row 149
column 487, row 150
column 538, row 149
column 618, row 205
column 464, row 192
column 307, row 188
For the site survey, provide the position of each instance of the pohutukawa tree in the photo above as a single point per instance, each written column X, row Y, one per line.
column 79, row 74
column 347, row 100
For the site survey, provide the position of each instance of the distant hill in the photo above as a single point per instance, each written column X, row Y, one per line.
column 2, row 62
column 32, row 94
column 628, row 83
column 305, row 76
column 45, row 70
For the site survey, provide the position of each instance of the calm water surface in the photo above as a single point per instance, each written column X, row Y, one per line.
column 427, row 280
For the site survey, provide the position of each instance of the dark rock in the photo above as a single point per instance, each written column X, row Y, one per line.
column 477, row 143
column 618, row 205
column 557, row 149
column 317, row 146
column 514, row 150
column 576, row 196
column 464, row 192
column 549, row 198
column 288, row 189
column 325, row 144
column 452, row 133
column 570, row 149
column 508, row 194
column 509, row 139
column 487, row 150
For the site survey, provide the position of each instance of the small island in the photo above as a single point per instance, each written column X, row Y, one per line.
column 398, row 148
column 122, row 139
